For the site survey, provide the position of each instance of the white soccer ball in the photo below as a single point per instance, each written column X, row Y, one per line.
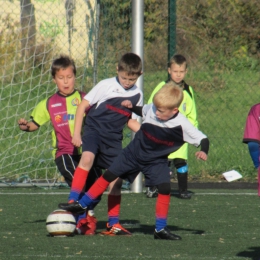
column 61, row 223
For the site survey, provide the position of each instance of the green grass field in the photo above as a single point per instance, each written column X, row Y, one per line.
column 214, row 224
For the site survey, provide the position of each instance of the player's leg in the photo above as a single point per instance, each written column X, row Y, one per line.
column 114, row 200
column 120, row 166
column 114, row 203
column 107, row 156
column 182, row 176
column 157, row 174
column 81, row 174
column 86, row 221
column 87, row 225
column 254, row 151
column 96, row 190
column 161, row 213
column 90, row 146
column 152, row 192
column 66, row 165
column 258, row 181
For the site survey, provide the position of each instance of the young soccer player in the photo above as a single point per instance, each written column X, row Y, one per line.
column 252, row 137
column 60, row 109
column 163, row 131
column 177, row 70
column 103, row 130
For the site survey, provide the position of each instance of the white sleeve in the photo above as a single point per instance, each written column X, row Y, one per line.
column 97, row 93
column 191, row 134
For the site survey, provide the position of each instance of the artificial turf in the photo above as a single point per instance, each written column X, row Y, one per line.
column 214, row 224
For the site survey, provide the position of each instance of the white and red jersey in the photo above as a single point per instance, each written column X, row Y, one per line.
column 157, row 139
column 106, row 115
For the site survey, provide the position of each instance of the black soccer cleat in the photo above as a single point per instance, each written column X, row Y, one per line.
column 185, row 195
column 166, row 234
column 73, row 207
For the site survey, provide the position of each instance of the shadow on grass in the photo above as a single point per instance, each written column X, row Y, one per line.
column 175, row 193
column 36, row 221
column 134, row 226
column 252, row 253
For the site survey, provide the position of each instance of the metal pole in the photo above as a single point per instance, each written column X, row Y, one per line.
column 171, row 28
column 95, row 63
column 138, row 48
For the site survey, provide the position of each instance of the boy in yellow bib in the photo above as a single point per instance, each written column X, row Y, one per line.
column 177, row 69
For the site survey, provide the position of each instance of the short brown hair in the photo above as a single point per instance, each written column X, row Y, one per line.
column 169, row 96
column 177, row 59
column 63, row 62
column 130, row 63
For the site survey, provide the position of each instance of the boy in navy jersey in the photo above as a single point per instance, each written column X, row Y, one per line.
column 60, row 109
column 103, row 130
column 163, row 131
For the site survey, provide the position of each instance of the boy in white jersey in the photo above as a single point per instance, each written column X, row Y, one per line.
column 163, row 131
column 103, row 131
column 60, row 109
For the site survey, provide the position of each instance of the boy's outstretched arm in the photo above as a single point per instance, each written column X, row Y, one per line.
column 203, row 153
column 133, row 124
column 26, row 126
column 76, row 138
column 136, row 109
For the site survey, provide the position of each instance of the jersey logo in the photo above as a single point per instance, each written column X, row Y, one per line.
column 57, row 119
column 56, row 105
column 75, row 102
column 64, row 118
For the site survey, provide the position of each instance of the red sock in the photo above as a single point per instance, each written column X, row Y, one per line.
column 113, row 203
column 78, row 183
column 162, row 206
column 98, row 188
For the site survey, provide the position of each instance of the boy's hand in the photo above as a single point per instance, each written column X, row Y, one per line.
column 127, row 103
column 76, row 140
column 201, row 155
column 23, row 124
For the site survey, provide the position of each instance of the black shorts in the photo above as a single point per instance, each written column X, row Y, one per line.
column 67, row 164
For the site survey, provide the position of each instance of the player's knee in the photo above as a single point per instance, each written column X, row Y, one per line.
column 164, row 188
column 109, row 176
column 181, row 165
column 115, row 187
column 86, row 161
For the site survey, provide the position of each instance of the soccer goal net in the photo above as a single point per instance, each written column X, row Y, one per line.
column 32, row 34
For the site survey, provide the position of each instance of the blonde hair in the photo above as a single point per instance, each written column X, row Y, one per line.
column 169, row 96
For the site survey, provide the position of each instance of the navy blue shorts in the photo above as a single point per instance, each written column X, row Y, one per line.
column 127, row 166
column 105, row 149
